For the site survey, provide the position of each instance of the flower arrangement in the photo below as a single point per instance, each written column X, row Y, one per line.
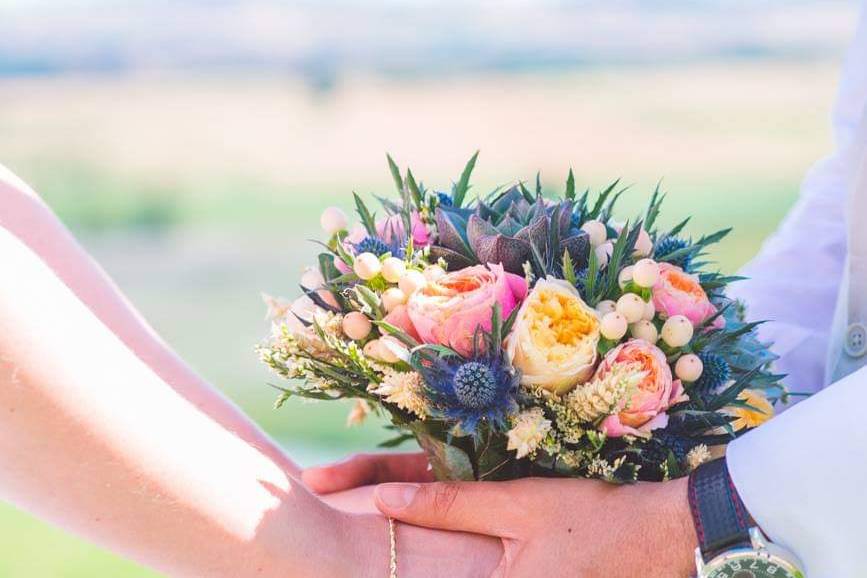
column 514, row 335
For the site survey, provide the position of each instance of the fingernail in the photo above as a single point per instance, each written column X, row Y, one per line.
column 396, row 496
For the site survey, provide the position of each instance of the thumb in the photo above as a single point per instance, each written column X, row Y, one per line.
column 477, row 507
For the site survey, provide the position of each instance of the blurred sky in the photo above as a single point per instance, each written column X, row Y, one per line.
column 323, row 39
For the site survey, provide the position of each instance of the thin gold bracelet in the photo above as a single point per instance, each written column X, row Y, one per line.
column 392, row 543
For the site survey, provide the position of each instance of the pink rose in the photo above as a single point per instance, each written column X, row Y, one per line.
column 449, row 310
column 399, row 317
column 652, row 392
column 678, row 293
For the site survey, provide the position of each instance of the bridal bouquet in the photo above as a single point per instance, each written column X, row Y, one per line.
column 518, row 335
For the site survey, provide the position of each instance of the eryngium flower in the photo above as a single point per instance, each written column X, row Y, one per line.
column 468, row 392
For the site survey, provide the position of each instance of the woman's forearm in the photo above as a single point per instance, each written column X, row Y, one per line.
column 95, row 441
column 24, row 214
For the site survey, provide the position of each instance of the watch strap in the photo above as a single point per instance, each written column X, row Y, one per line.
column 720, row 517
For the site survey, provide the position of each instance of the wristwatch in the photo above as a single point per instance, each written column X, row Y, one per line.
column 730, row 543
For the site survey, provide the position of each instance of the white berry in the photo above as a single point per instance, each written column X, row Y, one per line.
column 367, row 266
column 645, row 273
column 603, row 254
column 411, row 282
column 613, row 326
column 625, row 276
column 333, row 220
column 597, row 231
column 677, row 331
column 312, row 278
column 631, row 306
column 645, row 330
column 689, row 368
column 649, row 311
column 393, row 269
column 356, row 325
column 433, row 273
column 606, row 307
column 391, row 298
column 643, row 245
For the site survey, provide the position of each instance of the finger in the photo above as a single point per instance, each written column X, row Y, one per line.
column 368, row 469
column 492, row 508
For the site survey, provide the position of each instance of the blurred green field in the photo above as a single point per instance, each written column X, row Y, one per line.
column 197, row 194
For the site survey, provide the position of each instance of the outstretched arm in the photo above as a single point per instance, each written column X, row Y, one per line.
column 28, row 218
column 92, row 439
column 105, row 432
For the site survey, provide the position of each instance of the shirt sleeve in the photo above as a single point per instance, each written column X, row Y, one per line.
column 802, row 475
column 794, row 280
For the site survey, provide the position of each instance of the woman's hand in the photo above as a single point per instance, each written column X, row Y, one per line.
column 549, row 527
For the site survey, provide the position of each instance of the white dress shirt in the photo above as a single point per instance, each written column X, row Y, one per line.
column 803, row 475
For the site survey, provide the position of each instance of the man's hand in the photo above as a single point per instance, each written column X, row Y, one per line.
column 366, row 470
column 549, row 527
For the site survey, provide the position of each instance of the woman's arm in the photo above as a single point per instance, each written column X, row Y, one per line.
column 27, row 217
column 106, row 432
column 93, row 440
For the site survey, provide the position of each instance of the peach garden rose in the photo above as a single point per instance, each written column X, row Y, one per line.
column 449, row 310
column 643, row 409
column 679, row 293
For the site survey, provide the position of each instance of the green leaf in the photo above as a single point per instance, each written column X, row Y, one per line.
column 448, row 462
column 653, row 207
column 397, row 332
column 370, row 300
column 413, row 189
column 570, row 186
column 538, row 183
column 463, row 185
column 395, row 174
column 678, row 228
column 528, row 196
column 396, row 441
column 497, row 325
column 366, row 216
column 590, row 285
column 601, row 199
column 569, row 269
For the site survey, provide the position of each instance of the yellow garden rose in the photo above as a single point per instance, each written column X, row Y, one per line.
column 554, row 338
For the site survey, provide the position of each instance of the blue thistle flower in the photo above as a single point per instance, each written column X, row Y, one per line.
column 679, row 445
column 470, row 392
column 715, row 374
column 445, row 199
column 671, row 244
column 379, row 247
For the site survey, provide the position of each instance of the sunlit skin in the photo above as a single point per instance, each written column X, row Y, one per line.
column 105, row 432
column 556, row 528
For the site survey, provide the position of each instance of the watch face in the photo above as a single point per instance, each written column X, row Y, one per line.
column 750, row 565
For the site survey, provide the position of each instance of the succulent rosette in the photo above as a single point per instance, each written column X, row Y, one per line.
column 525, row 333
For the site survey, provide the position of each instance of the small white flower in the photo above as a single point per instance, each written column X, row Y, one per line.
column 405, row 389
column 529, row 430
column 697, row 456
